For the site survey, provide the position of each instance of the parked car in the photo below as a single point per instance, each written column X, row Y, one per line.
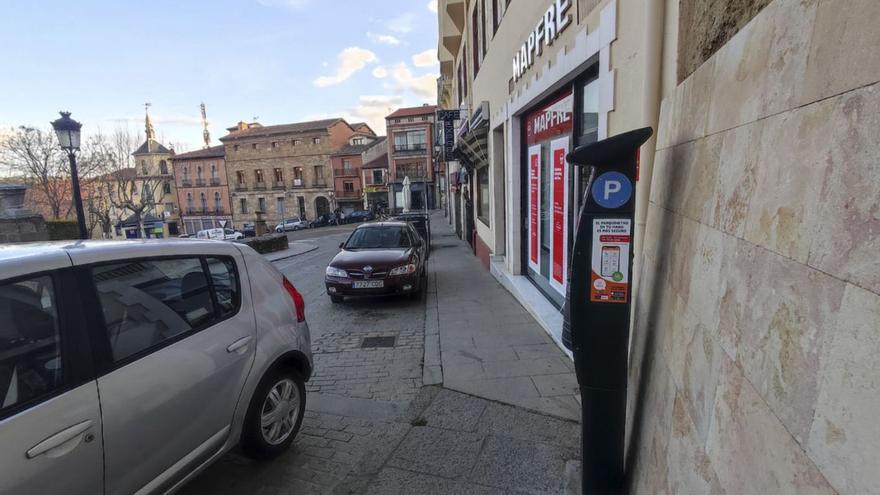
column 291, row 224
column 360, row 216
column 220, row 234
column 130, row 366
column 249, row 230
column 378, row 259
column 323, row 221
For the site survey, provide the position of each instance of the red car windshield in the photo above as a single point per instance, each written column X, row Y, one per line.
column 379, row 238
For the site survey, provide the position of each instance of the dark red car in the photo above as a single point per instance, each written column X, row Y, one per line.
column 378, row 259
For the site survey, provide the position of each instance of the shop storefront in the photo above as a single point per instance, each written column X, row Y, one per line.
column 552, row 188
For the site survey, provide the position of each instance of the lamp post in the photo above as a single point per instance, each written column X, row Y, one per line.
column 68, row 132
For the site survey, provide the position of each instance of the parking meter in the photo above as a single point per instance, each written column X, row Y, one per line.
column 597, row 306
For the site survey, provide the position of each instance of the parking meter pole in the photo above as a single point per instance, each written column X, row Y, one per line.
column 597, row 305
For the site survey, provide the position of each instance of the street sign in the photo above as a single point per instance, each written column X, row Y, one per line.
column 222, row 223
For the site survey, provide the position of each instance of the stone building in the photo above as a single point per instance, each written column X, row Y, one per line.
column 374, row 174
column 155, row 186
column 410, row 154
column 284, row 170
column 754, row 359
column 202, row 189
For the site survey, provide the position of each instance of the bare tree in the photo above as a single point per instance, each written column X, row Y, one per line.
column 118, row 187
column 33, row 154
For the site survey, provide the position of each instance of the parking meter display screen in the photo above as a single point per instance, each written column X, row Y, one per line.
column 609, row 280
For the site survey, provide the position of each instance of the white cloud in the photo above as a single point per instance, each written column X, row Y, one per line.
column 402, row 23
column 432, row 6
column 426, row 58
column 424, row 86
column 380, row 72
column 383, row 39
column 351, row 60
column 370, row 109
column 291, row 4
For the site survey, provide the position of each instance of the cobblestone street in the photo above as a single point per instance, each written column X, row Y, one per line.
column 370, row 424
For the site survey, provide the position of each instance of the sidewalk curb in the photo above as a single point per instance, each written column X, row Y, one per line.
column 313, row 248
column 432, row 366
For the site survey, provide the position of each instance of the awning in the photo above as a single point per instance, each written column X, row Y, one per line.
column 472, row 145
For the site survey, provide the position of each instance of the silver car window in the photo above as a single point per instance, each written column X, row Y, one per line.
column 147, row 302
column 30, row 342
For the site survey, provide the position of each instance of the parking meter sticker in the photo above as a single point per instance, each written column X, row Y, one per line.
column 612, row 190
column 609, row 280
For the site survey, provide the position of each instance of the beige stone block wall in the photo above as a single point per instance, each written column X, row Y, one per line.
column 755, row 362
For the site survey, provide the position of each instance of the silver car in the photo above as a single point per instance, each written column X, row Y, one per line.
column 128, row 367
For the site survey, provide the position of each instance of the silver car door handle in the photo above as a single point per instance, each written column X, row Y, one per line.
column 61, row 442
column 240, row 344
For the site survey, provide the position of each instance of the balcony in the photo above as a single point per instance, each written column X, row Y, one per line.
column 355, row 194
column 278, row 185
column 345, row 172
column 410, row 149
column 241, row 187
column 200, row 182
column 205, row 211
column 215, row 181
column 260, row 186
column 369, row 180
column 319, row 183
column 413, row 174
column 298, row 183
column 186, row 183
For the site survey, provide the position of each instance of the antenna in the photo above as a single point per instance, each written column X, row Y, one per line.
column 256, row 117
column 205, row 134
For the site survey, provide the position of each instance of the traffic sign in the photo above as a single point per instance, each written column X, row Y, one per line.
column 612, row 190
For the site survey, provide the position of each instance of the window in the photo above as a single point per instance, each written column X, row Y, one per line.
column 496, row 15
column 186, row 173
column 357, row 141
column 239, row 177
column 163, row 167
column 377, row 176
column 297, row 142
column 348, row 186
column 346, row 164
column 279, row 175
column 261, row 204
column 254, row 146
column 297, row 173
column 274, row 144
column 242, row 205
column 258, row 175
column 483, row 25
column 475, row 22
column 144, row 167
column 410, row 141
column 217, row 201
column 235, row 147
column 316, row 140
column 225, row 281
column 319, row 174
column 149, row 303
column 301, row 204
column 166, row 187
column 189, row 200
column 30, row 361
column 204, row 201
column 483, row 194
column 213, row 171
column 279, row 205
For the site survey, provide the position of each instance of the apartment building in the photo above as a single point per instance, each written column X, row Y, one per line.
column 410, row 154
column 374, row 174
column 202, row 189
column 284, row 170
column 348, row 185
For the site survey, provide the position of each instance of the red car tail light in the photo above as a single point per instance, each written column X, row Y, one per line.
column 298, row 300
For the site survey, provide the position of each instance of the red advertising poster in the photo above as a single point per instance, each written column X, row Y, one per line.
column 534, row 206
column 558, row 245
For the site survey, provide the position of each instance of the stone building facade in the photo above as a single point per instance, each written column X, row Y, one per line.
column 202, row 189
column 347, row 184
column 155, row 179
column 284, row 170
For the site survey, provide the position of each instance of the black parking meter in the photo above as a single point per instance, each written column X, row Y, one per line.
column 597, row 306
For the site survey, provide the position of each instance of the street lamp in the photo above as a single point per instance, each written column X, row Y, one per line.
column 68, row 132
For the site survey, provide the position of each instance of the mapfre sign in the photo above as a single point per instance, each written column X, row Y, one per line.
column 551, row 24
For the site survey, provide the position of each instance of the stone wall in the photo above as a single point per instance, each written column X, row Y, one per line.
column 706, row 25
column 755, row 364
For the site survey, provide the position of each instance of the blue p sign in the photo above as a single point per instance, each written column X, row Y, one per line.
column 612, row 190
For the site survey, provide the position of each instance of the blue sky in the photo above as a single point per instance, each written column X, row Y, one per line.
column 280, row 60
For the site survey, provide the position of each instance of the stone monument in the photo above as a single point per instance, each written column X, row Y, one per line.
column 17, row 223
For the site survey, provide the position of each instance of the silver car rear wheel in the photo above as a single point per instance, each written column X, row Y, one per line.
column 280, row 412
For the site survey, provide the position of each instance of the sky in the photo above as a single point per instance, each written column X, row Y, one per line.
column 279, row 61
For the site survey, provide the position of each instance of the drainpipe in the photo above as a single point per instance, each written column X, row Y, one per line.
column 652, row 46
